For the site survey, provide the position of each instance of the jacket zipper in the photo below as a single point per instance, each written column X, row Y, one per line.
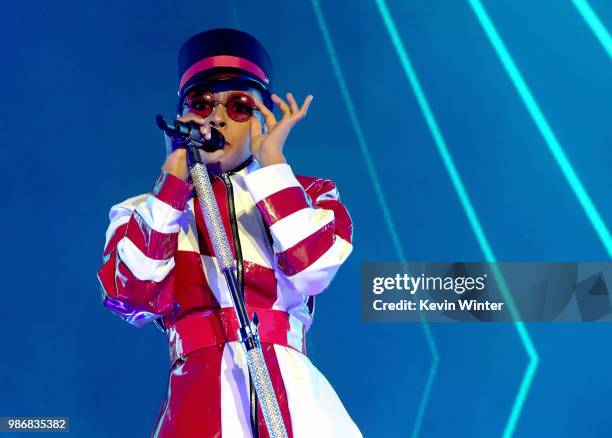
column 240, row 274
column 235, row 235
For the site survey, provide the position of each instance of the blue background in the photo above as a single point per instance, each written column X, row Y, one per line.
column 81, row 84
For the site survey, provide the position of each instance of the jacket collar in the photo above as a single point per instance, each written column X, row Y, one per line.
column 247, row 166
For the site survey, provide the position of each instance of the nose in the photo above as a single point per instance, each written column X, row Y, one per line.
column 217, row 118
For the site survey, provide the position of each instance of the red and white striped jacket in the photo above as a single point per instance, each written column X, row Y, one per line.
column 289, row 235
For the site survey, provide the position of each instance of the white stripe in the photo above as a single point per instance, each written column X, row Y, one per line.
column 188, row 235
column 290, row 301
column 267, row 180
column 160, row 216
column 316, row 277
column 120, row 214
column 143, row 267
column 255, row 250
column 295, row 335
column 126, row 207
column 252, row 229
column 314, row 406
column 294, row 228
column 235, row 405
column 216, row 281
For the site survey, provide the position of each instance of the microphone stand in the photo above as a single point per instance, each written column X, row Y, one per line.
column 247, row 333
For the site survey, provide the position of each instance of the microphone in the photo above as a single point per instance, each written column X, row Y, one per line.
column 189, row 132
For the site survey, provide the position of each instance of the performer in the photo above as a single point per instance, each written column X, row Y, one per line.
column 289, row 235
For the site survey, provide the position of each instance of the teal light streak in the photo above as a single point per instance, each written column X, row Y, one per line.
column 471, row 215
column 435, row 131
column 348, row 101
column 549, row 136
column 595, row 24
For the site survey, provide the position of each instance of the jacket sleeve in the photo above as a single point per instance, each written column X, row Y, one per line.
column 137, row 273
column 311, row 229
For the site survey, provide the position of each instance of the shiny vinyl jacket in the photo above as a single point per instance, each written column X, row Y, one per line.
column 289, row 235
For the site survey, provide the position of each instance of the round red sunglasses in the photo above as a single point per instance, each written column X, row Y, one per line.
column 239, row 106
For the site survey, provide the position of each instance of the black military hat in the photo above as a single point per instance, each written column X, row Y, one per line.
column 224, row 55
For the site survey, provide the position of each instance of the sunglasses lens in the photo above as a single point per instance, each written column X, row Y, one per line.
column 240, row 107
column 200, row 104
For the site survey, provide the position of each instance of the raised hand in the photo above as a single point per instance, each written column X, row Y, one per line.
column 267, row 148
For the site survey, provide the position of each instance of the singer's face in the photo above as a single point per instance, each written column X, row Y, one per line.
column 237, row 134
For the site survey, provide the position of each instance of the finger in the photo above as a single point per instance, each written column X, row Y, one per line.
column 269, row 117
column 306, row 104
column 282, row 105
column 192, row 117
column 256, row 136
column 205, row 131
column 255, row 127
column 293, row 104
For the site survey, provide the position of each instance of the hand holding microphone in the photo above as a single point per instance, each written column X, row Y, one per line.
column 175, row 137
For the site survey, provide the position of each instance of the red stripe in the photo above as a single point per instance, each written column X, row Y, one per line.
column 259, row 285
column 282, row 203
column 114, row 240
column 153, row 244
column 306, row 252
column 191, row 289
column 222, row 61
column 146, row 295
column 204, row 328
column 318, row 189
column 193, row 405
column 342, row 219
column 106, row 274
column 172, row 190
column 121, row 285
column 279, row 389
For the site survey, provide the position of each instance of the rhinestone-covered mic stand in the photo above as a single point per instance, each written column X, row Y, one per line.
column 247, row 333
